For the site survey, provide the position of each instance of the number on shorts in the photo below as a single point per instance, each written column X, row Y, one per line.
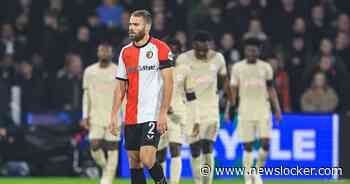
column 152, row 125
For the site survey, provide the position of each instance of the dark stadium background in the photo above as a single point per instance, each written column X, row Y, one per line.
column 46, row 44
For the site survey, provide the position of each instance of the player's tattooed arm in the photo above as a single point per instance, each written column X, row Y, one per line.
column 274, row 100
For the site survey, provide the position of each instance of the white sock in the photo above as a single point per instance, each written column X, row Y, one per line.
column 99, row 157
column 163, row 164
column 111, row 165
column 262, row 156
column 209, row 161
column 176, row 167
column 196, row 163
column 247, row 162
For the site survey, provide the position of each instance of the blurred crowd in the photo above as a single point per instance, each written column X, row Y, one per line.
column 46, row 44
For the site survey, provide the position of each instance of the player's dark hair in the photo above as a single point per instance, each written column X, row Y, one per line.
column 146, row 15
column 202, row 36
column 252, row 42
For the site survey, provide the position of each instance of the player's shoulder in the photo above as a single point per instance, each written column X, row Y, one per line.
column 91, row 67
column 264, row 64
column 240, row 63
column 184, row 57
column 216, row 56
column 129, row 45
column 159, row 43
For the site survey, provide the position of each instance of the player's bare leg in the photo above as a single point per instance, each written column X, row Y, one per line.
column 161, row 157
column 262, row 156
column 176, row 163
column 137, row 175
column 248, row 162
column 97, row 152
column 148, row 159
column 112, row 148
column 196, row 161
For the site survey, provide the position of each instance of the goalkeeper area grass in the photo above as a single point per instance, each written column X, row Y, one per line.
column 91, row 181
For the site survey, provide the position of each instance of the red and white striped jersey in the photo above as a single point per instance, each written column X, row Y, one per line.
column 141, row 66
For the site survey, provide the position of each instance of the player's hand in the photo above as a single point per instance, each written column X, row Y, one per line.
column 278, row 116
column 195, row 130
column 162, row 125
column 85, row 123
column 114, row 127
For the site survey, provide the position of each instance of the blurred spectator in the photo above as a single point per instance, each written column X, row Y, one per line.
column 97, row 29
column 299, row 26
column 318, row 25
column 300, row 30
column 158, row 6
column 83, row 46
column 319, row 97
column 229, row 49
column 281, row 18
column 34, row 89
column 295, row 65
column 239, row 15
column 110, row 12
column 255, row 30
column 213, row 23
column 159, row 27
column 337, row 77
column 342, row 48
column 9, row 45
column 282, row 83
column 54, row 42
column 7, row 80
column 343, row 24
column 7, row 140
column 22, row 29
column 182, row 38
column 69, row 86
column 178, row 10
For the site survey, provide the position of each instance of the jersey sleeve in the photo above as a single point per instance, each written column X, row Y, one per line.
column 165, row 56
column 85, row 80
column 86, row 97
column 234, row 75
column 222, row 65
column 269, row 73
column 121, row 71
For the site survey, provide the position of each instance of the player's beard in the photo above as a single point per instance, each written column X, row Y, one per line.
column 137, row 36
column 104, row 61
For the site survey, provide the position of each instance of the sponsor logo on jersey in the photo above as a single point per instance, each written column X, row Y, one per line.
column 149, row 54
column 143, row 68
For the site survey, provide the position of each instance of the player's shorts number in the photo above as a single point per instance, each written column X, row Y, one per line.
column 152, row 126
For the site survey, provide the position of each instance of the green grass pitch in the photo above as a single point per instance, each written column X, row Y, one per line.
column 89, row 181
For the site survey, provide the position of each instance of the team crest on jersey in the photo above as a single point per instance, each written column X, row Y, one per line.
column 149, row 54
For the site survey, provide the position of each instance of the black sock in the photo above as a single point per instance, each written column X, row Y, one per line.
column 137, row 176
column 157, row 174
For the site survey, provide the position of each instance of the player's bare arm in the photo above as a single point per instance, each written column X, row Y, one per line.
column 119, row 94
column 274, row 101
column 167, row 75
column 85, row 123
